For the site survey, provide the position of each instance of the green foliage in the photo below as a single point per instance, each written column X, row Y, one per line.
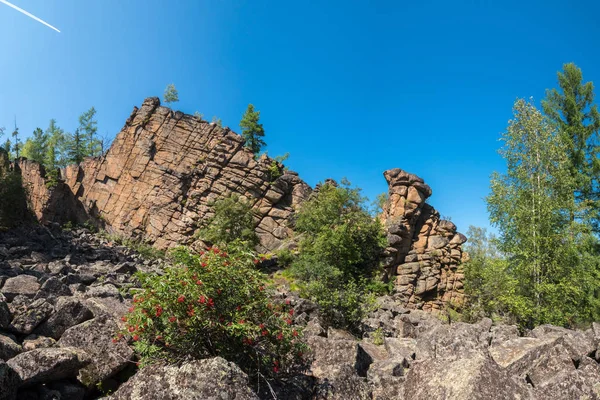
column 379, row 202
column 217, row 121
column 276, row 168
column 338, row 229
column 88, row 129
column 144, row 249
column 170, row 96
column 35, row 147
column 378, row 337
column 55, row 153
column 232, row 223
column 573, row 113
column 214, row 304
column 550, row 266
column 252, row 131
column 13, row 203
column 339, row 254
column 76, row 150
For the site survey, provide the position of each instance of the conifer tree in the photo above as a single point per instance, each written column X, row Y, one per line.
column 54, row 157
column 87, row 135
column 76, row 147
column 575, row 115
column 252, row 130
column 170, row 96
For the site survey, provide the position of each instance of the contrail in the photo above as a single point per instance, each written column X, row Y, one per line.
column 29, row 14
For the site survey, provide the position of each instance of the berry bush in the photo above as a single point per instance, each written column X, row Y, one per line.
column 214, row 304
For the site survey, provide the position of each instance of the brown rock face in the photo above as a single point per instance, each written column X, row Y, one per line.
column 424, row 251
column 160, row 175
column 49, row 204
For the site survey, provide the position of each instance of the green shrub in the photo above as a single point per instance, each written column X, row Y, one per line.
column 231, row 223
column 340, row 249
column 13, row 202
column 214, row 304
column 338, row 230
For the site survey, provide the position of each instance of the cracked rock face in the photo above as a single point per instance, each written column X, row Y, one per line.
column 424, row 251
column 160, row 176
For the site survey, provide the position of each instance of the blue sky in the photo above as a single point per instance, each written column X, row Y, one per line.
column 348, row 88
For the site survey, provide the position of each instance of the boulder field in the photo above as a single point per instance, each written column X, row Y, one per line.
column 62, row 294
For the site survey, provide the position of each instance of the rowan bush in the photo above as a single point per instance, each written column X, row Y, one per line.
column 214, row 304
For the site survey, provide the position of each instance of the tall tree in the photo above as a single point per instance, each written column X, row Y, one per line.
column 531, row 206
column 574, row 114
column 54, row 157
column 170, row 96
column 35, row 147
column 76, row 147
column 252, row 130
column 88, row 129
column 17, row 142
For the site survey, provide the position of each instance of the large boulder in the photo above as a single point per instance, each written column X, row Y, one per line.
column 210, row 379
column 577, row 384
column 95, row 338
column 342, row 383
column 26, row 319
column 474, row 378
column 48, row 364
column 518, row 355
column 329, row 354
column 69, row 312
column 24, row 285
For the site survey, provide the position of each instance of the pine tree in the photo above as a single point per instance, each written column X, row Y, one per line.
column 170, row 95
column 574, row 114
column 252, row 130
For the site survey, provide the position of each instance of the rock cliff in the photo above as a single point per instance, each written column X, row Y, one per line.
column 424, row 252
column 162, row 172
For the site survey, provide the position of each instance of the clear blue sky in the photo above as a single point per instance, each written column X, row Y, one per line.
column 348, row 88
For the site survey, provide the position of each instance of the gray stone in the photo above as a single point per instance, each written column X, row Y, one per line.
column 517, row 355
column 69, row 312
column 49, row 364
column 474, row 378
column 24, row 285
column 331, row 353
column 27, row 319
column 210, row 379
column 95, row 338
column 33, row 342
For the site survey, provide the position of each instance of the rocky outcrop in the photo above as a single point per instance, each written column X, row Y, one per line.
column 165, row 168
column 424, row 252
column 50, row 202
